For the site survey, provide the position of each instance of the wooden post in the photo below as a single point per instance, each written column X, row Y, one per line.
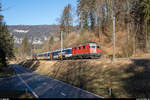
column 110, row 89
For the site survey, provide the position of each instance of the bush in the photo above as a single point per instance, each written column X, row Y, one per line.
column 1, row 65
column 127, row 50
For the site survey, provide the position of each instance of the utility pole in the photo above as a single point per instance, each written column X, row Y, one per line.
column 61, row 45
column 34, row 48
column 114, row 34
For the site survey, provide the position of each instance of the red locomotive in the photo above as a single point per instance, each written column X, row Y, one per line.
column 87, row 50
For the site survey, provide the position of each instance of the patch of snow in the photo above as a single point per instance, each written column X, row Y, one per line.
column 21, row 31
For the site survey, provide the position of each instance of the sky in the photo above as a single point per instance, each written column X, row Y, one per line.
column 34, row 12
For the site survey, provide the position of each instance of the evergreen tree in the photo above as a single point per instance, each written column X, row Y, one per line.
column 6, row 42
column 82, row 10
column 66, row 20
column 140, row 14
column 145, row 5
column 26, row 47
column 50, row 42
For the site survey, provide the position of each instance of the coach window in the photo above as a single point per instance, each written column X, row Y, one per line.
column 93, row 46
column 98, row 47
column 75, row 48
column 79, row 48
column 83, row 47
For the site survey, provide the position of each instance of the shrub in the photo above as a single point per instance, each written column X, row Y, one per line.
column 1, row 65
column 127, row 50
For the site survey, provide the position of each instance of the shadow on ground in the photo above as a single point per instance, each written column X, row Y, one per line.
column 127, row 80
column 138, row 84
column 80, row 74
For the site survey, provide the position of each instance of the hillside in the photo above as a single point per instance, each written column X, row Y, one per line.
column 76, row 38
column 36, row 34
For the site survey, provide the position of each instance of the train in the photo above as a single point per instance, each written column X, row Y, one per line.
column 82, row 51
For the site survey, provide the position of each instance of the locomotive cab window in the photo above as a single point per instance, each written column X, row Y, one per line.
column 92, row 46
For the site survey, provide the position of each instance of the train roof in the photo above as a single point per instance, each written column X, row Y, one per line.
column 43, row 53
column 54, row 51
column 63, row 49
column 85, row 43
column 68, row 47
column 82, row 44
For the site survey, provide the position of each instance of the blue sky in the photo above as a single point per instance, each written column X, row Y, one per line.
column 33, row 12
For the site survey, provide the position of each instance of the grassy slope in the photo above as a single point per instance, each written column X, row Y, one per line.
column 6, row 72
column 126, row 78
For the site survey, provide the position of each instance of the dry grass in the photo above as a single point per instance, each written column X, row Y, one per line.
column 126, row 78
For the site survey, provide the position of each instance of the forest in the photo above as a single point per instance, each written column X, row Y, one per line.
column 95, row 24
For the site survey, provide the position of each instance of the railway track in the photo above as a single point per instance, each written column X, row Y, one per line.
column 72, row 60
column 106, row 59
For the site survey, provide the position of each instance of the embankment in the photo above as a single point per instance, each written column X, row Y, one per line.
column 126, row 78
